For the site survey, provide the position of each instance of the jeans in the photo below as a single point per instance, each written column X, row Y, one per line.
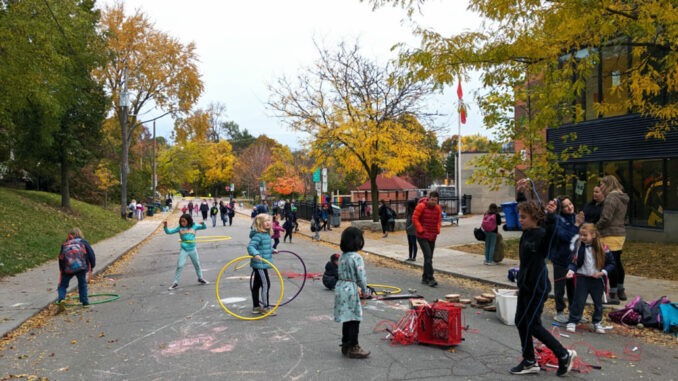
column 288, row 233
column 528, row 321
column 214, row 220
column 263, row 282
column 561, row 285
column 412, row 246
column 193, row 254
column 276, row 241
column 349, row 333
column 82, row 286
column 384, row 226
column 224, row 218
column 427, row 248
column 585, row 286
column 617, row 276
column 490, row 243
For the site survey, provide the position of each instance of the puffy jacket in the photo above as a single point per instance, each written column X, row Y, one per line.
column 427, row 220
column 260, row 244
column 565, row 229
column 612, row 216
column 577, row 259
column 187, row 234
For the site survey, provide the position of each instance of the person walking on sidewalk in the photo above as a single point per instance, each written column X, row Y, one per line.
column 411, row 231
column 76, row 259
column 190, row 207
column 231, row 212
column 566, row 225
column 613, row 232
column 223, row 211
column 186, row 230
column 315, row 223
column 348, row 291
column 214, row 210
column 426, row 218
column 204, row 209
column 490, row 225
column 276, row 231
column 386, row 215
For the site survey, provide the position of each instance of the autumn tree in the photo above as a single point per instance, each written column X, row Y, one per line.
column 282, row 176
column 251, row 164
column 162, row 73
column 219, row 162
column 51, row 109
column 359, row 113
column 536, row 57
column 106, row 180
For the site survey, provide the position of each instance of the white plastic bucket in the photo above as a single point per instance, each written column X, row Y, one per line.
column 506, row 301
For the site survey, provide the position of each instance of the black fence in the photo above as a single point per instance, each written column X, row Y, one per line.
column 363, row 211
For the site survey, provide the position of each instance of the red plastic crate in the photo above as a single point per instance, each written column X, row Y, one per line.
column 439, row 324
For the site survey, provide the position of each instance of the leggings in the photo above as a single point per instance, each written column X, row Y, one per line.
column 276, row 241
column 349, row 333
column 193, row 254
column 528, row 321
column 618, row 274
column 384, row 226
column 261, row 280
column 412, row 246
column 288, row 233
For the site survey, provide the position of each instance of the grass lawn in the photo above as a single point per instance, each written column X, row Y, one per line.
column 651, row 260
column 33, row 227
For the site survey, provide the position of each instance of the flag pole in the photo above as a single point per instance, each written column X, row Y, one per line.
column 459, row 194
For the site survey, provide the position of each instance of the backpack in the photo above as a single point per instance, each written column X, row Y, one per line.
column 74, row 255
column 670, row 317
column 627, row 315
column 489, row 222
column 650, row 314
column 479, row 234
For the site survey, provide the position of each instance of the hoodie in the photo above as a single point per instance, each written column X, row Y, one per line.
column 612, row 216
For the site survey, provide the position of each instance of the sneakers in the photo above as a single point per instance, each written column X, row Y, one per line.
column 584, row 320
column 526, row 367
column 612, row 299
column 60, row 306
column 489, row 263
column 598, row 327
column 266, row 310
column 432, row 283
column 257, row 311
column 571, row 327
column 174, row 286
column 358, row 353
column 561, row 318
column 203, row 281
column 410, row 259
column 621, row 294
column 565, row 363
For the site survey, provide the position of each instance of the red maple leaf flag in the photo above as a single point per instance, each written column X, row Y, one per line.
column 462, row 108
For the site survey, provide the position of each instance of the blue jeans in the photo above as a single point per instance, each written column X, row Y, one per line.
column 82, row 286
column 214, row 220
column 490, row 242
column 193, row 254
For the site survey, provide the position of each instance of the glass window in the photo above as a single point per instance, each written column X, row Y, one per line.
column 587, row 176
column 672, row 184
column 615, row 64
column 591, row 94
column 647, row 202
column 620, row 169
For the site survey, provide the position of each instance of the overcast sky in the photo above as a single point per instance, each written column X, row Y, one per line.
column 245, row 45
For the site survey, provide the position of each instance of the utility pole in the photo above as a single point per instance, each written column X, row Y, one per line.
column 458, row 180
column 155, row 178
column 124, row 103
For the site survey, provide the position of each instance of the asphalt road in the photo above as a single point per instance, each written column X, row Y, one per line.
column 151, row 333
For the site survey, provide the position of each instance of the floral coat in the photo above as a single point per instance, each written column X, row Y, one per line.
column 346, row 298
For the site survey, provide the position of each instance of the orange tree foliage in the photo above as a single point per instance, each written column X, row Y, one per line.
column 162, row 73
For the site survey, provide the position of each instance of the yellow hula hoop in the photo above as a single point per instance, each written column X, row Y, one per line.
column 239, row 266
column 210, row 238
column 282, row 289
column 397, row 289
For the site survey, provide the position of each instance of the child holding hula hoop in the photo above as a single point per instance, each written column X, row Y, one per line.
column 186, row 230
column 260, row 247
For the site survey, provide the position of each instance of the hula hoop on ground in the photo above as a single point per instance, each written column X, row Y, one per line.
column 238, row 266
column 303, row 282
column 210, row 238
column 112, row 298
column 282, row 289
column 397, row 290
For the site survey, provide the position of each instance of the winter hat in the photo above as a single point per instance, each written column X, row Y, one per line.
column 334, row 257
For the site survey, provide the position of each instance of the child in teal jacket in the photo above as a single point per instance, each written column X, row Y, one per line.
column 186, row 230
column 260, row 247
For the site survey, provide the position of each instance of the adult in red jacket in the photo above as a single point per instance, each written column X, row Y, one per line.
column 426, row 218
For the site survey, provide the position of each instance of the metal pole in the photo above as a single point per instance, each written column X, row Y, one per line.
column 459, row 211
column 155, row 181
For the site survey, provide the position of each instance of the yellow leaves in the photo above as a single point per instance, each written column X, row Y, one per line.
column 105, row 177
column 219, row 162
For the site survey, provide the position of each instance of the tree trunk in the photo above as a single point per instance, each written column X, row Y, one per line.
column 375, row 194
column 123, row 165
column 65, row 193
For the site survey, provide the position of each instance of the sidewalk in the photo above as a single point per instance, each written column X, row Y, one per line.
column 470, row 266
column 25, row 294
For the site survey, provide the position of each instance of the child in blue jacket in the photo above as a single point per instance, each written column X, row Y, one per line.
column 590, row 264
column 260, row 247
column 186, row 230
column 75, row 260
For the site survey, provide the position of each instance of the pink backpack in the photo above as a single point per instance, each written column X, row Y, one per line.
column 489, row 222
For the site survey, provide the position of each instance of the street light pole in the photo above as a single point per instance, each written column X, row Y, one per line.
column 155, row 178
column 459, row 194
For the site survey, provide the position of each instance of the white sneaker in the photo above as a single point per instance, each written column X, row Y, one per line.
column 598, row 327
column 571, row 327
column 561, row 318
column 174, row 286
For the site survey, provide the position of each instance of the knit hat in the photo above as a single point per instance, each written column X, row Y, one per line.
column 334, row 257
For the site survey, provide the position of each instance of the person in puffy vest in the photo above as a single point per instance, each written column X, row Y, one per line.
column 75, row 260
column 260, row 247
column 331, row 274
column 490, row 225
column 426, row 219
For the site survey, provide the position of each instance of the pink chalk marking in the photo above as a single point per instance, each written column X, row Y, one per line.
column 225, row 348
column 183, row 345
column 219, row 329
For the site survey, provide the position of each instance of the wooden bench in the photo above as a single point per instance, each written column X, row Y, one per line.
column 451, row 220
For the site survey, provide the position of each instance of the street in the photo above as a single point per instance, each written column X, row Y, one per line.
column 151, row 333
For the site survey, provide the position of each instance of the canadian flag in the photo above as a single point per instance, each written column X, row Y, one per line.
column 462, row 108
